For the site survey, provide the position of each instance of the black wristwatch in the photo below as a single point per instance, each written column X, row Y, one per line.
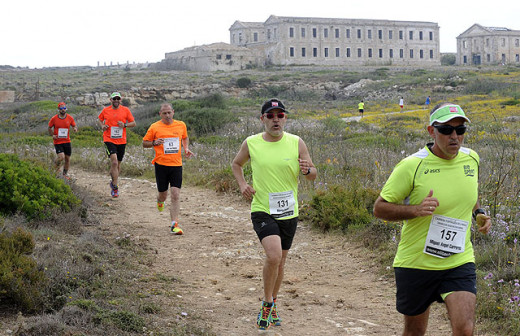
column 478, row 211
column 308, row 171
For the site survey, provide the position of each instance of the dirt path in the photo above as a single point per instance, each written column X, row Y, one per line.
column 329, row 288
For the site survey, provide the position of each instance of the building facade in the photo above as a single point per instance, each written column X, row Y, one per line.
column 209, row 57
column 325, row 41
column 488, row 46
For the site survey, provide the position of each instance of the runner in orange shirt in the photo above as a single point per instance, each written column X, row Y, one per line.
column 114, row 120
column 59, row 127
column 167, row 137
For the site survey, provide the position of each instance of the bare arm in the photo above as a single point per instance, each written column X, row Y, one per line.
column 305, row 161
column 186, row 145
column 236, row 167
column 396, row 212
column 483, row 221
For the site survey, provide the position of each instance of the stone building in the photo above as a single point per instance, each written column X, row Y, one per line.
column 209, row 57
column 326, row 41
column 488, row 45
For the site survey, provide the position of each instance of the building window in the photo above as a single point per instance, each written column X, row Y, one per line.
column 314, row 52
column 359, row 52
column 503, row 42
column 233, row 38
column 421, row 53
column 228, row 57
column 410, row 35
column 400, row 34
column 326, row 52
column 464, row 44
column 314, row 33
column 326, row 32
column 420, row 35
column 359, row 33
column 487, row 42
column 348, row 33
column 369, row 52
column 503, row 58
column 517, row 42
column 291, row 32
column 274, row 32
column 348, row 52
column 219, row 56
column 465, row 60
column 380, row 34
column 401, row 53
column 255, row 37
column 303, row 33
column 337, row 52
column 411, row 53
column 431, row 36
column 239, row 37
column 517, row 58
column 488, row 56
column 291, row 51
column 268, row 34
column 303, row 52
column 431, row 53
column 336, row 33
column 390, row 34
column 391, row 53
column 380, row 53
column 369, row 33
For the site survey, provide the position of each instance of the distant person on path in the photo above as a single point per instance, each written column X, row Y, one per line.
column 435, row 193
column 59, row 127
column 277, row 159
column 114, row 120
column 168, row 137
column 401, row 103
column 361, row 108
column 427, row 103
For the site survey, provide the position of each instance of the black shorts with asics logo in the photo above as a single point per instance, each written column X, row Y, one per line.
column 119, row 150
column 265, row 225
column 166, row 176
column 417, row 289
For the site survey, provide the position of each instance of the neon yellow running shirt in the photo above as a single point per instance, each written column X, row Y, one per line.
column 275, row 175
column 455, row 184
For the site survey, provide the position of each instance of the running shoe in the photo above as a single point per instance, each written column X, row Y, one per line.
column 160, row 206
column 263, row 320
column 66, row 177
column 115, row 190
column 175, row 228
column 275, row 318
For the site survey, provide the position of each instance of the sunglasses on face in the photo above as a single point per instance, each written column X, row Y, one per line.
column 270, row 115
column 116, row 98
column 448, row 129
column 62, row 108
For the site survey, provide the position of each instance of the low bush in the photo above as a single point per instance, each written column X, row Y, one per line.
column 244, row 82
column 338, row 207
column 20, row 278
column 31, row 190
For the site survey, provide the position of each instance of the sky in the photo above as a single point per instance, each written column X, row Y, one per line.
column 49, row 33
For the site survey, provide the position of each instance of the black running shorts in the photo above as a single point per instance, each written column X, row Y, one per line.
column 417, row 289
column 119, row 150
column 64, row 148
column 265, row 225
column 166, row 176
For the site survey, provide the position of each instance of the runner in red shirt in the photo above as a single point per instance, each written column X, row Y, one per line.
column 59, row 127
column 114, row 120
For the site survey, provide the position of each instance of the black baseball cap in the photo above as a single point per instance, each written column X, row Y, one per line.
column 272, row 104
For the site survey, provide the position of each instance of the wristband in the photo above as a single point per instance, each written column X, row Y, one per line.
column 125, row 125
column 478, row 211
column 153, row 142
column 308, row 171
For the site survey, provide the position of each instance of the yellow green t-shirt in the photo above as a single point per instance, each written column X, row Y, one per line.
column 275, row 175
column 455, row 184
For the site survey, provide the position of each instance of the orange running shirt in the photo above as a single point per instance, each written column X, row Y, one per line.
column 62, row 128
column 168, row 154
column 111, row 116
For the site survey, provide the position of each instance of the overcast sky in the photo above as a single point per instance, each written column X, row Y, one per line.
column 75, row 32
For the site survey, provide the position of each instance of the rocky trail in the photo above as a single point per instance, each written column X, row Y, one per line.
column 330, row 287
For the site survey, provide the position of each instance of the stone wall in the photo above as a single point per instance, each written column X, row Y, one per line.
column 7, row 96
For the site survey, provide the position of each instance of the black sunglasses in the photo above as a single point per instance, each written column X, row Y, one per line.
column 448, row 129
column 270, row 115
column 116, row 98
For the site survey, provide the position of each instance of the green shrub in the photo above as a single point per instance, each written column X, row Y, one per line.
column 448, row 59
column 244, row 82
column 215, row 100
column 205, row 120
column 338, row 208
column 31, row 190
column 20, row 279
